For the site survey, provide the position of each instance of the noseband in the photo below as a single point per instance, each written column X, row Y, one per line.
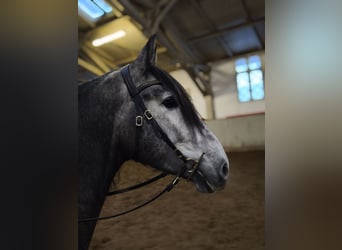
column 190, row 166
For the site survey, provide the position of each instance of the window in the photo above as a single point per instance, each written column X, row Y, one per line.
column 94, row 9
column 249, row 79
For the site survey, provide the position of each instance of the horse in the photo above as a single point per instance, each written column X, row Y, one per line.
column 140, row 112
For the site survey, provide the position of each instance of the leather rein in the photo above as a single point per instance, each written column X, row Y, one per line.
column 142, row 113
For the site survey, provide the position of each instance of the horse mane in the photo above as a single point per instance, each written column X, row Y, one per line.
column 189, row 112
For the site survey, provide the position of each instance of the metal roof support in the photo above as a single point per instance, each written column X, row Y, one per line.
column 222, row 31
column 134, row 13
column 88, row 66
column 249, row 18
column 198, row 76
column 209, row 99
column 131, row 10
column 172, row 32
column 156, row 22
column 97, row 60
column 212, row 26
column 204, row 77
column 192, row 75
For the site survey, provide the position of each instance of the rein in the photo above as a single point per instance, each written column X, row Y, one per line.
column 125, row 190
column 168, row 188
column 141, row 113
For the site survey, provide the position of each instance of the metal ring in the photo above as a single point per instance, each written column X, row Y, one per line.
column 148, row 114
column 139, row 120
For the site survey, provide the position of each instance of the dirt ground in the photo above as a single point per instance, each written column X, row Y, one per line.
column 185, row 219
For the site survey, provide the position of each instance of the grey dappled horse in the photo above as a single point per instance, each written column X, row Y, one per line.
column 113, row 129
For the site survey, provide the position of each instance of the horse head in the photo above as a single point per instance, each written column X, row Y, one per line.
column 177, row 139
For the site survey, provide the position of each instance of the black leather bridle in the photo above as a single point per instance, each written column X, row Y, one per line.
column 143, row 114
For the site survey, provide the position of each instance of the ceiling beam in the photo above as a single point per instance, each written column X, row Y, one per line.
column 211, row 26
column 173, row 47
column 204, row 77
column 154, row 25
column 189, row 56
column 223, row 31
column 249, row 18
column 130, row 9
column 192, row 75
column 197, row 74
column 88, row 66
column 96, row 59
column 242, row 54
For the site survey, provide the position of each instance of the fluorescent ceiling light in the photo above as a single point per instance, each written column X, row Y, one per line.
column 103, row 5
column 95, row 8
column 106, row 39
column 90, row 8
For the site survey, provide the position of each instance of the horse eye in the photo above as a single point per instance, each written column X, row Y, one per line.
column 170, row 102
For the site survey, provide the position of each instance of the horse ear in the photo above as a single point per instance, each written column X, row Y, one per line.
column 148, row 55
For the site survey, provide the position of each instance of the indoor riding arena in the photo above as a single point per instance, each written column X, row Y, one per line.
column 216, row 50
column 185, row 219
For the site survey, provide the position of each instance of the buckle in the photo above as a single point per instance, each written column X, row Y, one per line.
column 148, row 114
column 139, row 121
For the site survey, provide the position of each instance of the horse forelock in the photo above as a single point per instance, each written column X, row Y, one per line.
column 189, row 112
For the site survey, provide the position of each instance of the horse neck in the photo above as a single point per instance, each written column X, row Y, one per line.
column 94, row 181
column 99, row 155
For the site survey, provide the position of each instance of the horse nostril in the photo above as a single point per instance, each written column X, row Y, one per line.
column 224, row 170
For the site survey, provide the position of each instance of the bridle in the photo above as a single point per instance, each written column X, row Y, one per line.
column 143, row 115
column 142, row 112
